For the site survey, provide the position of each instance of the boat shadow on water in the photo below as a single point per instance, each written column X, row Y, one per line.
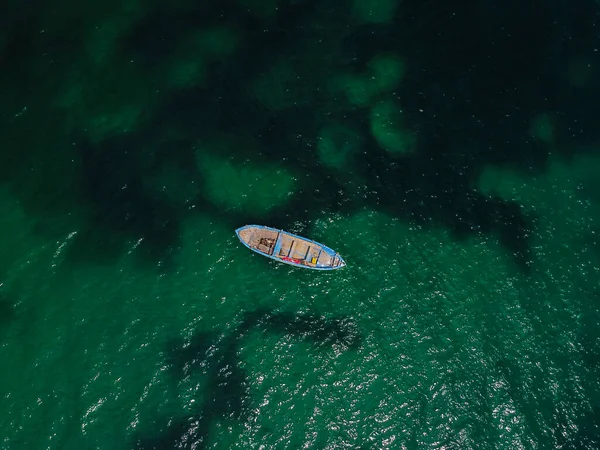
column 215, row 358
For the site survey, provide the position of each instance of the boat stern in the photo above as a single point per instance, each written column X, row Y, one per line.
column 244, row 233
column 237, row 232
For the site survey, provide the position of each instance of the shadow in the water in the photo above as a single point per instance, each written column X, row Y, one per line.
column 324, row 333
column 470, row 92
column 435, row 194
column 227, row 388
column 121, row 208
column 7, row 311
column 431, row 187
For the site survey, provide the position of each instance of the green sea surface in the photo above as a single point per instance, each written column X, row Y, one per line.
column 457, row 176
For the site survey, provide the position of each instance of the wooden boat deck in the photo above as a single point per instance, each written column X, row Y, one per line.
column 261, row 239
column 291, row 248
column 296, row 248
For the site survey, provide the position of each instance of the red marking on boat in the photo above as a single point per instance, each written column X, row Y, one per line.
column 297, row 261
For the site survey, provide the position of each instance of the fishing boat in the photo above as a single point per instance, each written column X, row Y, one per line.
column 289, row 248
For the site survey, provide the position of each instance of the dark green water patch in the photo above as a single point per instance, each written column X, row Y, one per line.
column 214, row 355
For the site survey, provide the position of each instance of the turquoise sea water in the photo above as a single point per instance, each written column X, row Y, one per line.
column 450, row 154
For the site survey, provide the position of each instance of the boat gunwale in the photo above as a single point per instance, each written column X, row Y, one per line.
column 333, row 253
